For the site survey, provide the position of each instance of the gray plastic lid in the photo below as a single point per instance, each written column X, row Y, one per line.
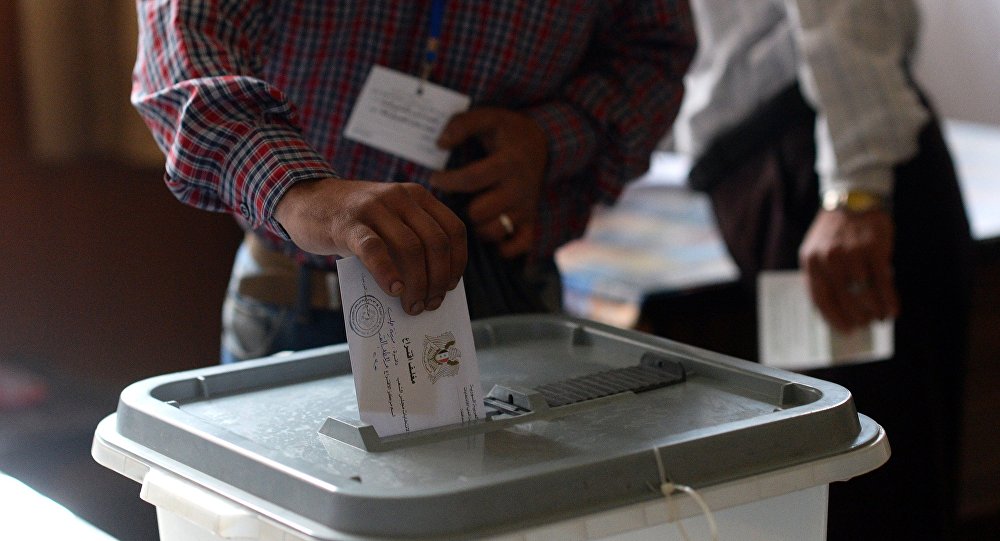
column 281, row 436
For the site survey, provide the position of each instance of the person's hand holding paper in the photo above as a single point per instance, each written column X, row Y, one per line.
column 847, row 258
column 840, row 307
column 410, row 372
column 413, row 244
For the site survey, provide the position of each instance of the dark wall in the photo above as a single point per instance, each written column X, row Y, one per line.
column 105, row 279
column 103, row 274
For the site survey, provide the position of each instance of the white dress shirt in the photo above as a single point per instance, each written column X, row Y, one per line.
column 848, row 56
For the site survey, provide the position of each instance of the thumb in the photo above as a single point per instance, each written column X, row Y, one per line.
column 465, row 125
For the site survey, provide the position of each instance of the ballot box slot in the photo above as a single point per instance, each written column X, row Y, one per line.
column 509, row 405
column 654, row 372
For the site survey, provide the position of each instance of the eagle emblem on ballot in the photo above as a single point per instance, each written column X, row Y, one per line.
column 441, row 357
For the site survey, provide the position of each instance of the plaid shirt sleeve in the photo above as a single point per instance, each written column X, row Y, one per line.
column 612, row 112
column 230, row 138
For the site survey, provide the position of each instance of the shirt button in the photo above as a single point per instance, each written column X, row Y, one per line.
column 245, row 210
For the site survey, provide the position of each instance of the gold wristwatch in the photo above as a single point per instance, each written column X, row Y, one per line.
column 856, row 201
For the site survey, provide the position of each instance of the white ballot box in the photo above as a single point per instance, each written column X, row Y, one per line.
column 583, row 424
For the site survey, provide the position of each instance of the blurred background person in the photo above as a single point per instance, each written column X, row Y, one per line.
column 819, row 151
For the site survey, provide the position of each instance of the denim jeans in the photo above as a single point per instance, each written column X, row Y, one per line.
column 253, row 328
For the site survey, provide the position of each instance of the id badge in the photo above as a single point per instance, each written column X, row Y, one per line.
column 403, row 115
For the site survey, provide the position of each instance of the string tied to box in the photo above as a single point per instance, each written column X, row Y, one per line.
column 670, row 489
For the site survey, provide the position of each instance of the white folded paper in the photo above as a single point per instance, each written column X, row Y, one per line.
column 794, row 336
column 410, row 372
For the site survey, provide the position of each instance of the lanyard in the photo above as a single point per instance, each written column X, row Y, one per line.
column 433, row 38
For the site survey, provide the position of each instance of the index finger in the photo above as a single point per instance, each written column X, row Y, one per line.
column 822, row 289
column 457, row 234
column 884, row 291
column 462, row 126
column 471, row 178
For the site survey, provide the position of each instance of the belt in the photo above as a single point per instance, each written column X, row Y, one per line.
column 282, row 281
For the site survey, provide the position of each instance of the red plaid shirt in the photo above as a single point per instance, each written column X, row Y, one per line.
column 246, row 98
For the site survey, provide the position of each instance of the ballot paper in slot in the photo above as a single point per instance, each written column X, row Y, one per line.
column 410, row 372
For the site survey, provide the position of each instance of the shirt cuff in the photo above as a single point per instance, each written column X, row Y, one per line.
column 267, row 161
column 571, row 136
